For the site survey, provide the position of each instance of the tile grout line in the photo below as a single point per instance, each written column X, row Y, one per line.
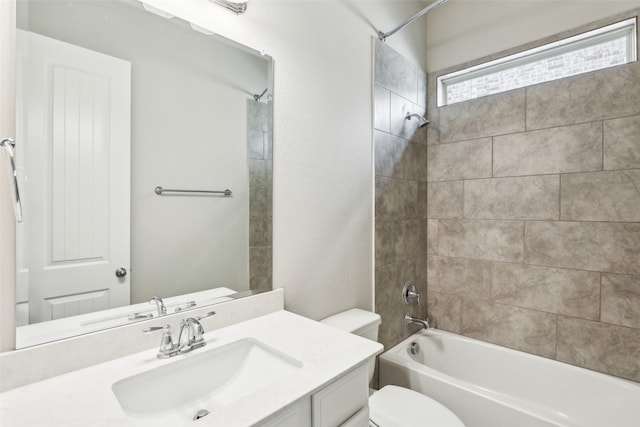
column 603, row 147
column 555, row 350
column 560, row 197
column 524, row 243
column 492, row 158
column 585, row 221
column 491, row 294
column 463, row 190
column 537, row 310
column 525, row 264
column 526, row 101
column 606, row 119
column 600, row 301
column 536, row 175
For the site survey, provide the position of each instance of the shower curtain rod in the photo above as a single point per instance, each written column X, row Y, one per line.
column 383, row 36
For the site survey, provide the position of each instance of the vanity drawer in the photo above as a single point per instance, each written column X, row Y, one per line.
column 341, row 400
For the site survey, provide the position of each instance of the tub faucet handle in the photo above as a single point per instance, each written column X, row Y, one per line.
column 409, row 294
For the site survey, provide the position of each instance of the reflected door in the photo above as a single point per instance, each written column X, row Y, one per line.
column 74, row 108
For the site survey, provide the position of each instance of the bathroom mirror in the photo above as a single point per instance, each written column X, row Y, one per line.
column 144, row 159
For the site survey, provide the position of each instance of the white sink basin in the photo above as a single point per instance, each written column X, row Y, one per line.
column 206, row 379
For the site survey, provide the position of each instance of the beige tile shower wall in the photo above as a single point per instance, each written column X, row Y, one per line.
column 533, row 230
column 401, row 191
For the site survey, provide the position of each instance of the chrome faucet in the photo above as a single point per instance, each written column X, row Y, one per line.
column 162, row 310
column 409, row 319
column 191, row 336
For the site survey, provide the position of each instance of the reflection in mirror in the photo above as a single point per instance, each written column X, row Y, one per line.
column 112, row 102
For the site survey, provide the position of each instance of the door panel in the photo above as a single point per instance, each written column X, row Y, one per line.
column 76, row 106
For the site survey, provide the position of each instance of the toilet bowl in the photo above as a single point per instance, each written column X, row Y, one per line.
column 393, row 406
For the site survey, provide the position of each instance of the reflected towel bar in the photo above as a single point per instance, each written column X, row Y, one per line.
column 9, row 145
column 160, row 191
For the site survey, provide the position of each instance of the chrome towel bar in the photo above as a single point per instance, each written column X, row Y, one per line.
column 160, row 191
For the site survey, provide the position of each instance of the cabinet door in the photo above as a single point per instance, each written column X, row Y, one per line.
column 297, row 414
column 339, row 401
column 360, row 419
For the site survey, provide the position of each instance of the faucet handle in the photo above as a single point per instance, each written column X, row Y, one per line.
column 204, row 316
column 409, row 294
column 139, row 316
column 167, row 348
column 185, row 306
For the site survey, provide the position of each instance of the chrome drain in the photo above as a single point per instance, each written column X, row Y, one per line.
column 415, row 348
column 201, row 413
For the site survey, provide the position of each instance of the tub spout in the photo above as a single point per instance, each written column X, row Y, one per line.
column 409, row 319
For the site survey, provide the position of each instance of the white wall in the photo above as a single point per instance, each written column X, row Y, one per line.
column 464, row 30
column 323, row 177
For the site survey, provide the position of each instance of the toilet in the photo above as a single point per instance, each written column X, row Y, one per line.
column 393, row 406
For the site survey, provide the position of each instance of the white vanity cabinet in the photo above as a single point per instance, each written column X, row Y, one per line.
column 338, row 403
column 297, row 414
column 342, row 403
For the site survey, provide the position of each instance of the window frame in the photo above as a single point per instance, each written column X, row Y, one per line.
column 625, row 28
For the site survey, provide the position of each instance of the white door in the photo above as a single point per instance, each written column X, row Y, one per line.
column 74, row 105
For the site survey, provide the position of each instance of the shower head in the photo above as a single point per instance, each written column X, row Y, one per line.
column 421, row 120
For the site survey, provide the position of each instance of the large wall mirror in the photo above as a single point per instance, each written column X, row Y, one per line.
column 115, row 100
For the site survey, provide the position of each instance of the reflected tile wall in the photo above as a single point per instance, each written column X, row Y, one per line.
column 260, row 149
column 533, row 230
column 401, row 224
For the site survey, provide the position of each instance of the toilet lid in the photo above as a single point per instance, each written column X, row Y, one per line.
column 395, row 406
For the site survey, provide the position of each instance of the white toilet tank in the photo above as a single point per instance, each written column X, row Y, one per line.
column 358, row 322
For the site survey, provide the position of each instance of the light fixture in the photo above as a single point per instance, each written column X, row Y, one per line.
column 235, row 7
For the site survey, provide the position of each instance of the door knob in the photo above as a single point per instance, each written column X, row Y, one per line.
column 121, row 272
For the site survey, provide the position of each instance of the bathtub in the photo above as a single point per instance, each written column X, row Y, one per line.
column 491, row 386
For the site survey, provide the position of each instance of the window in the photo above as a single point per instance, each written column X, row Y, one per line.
column 594, row 50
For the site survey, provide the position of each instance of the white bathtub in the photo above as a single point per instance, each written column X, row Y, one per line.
column 492, row 386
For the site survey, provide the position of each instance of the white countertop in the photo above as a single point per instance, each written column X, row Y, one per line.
column 84, row 397
column 38, row 333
